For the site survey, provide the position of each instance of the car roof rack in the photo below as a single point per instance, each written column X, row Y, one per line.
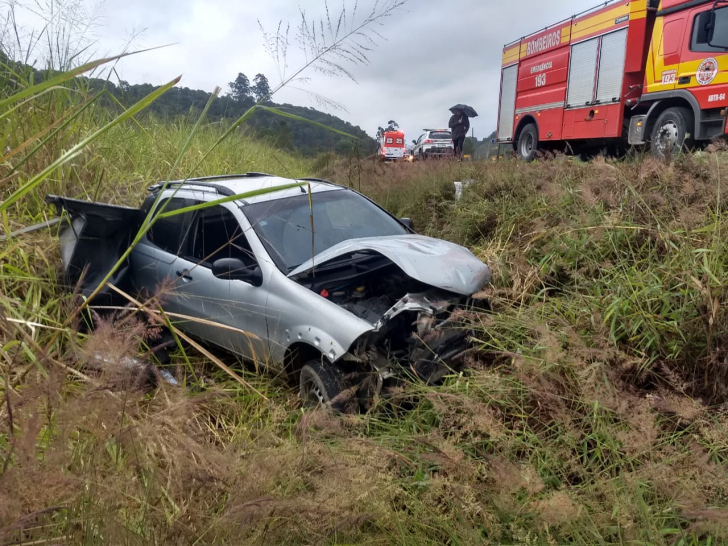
column 312, row 179
column 227, row 176
column 202, row 181
column 432, row 130
column 323, row 181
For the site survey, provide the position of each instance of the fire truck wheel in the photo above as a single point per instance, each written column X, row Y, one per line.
column 671, row 133
column 528, row 143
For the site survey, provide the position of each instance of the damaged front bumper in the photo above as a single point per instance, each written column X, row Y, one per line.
column 435, row 342
column 438, row 343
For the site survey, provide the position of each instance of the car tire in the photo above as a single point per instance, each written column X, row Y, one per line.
column 670, row 135
column 320, row 385
column 528, row 143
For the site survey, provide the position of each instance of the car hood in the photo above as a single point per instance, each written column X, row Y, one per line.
column 431, row 261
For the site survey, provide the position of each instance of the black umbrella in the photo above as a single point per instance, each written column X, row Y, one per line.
column 467, row 110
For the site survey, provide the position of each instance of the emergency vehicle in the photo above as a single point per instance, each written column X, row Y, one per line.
column 393, row 146
column 637, row 72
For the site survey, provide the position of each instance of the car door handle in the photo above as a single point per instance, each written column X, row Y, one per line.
column 184, row 275
column 684, row 80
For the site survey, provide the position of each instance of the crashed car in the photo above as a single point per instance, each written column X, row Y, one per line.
column 316, row 279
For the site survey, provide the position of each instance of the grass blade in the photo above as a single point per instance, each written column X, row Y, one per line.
column 62, row 78
column 229, row 199
column 55, row 128
column 78, row 148
column 304, row 120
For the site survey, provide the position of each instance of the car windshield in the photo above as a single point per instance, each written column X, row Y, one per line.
column 284, row 225
column 440, row 136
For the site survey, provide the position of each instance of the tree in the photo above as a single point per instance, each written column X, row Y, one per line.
column 240, row 88
column 261, row 89
column 391, row 126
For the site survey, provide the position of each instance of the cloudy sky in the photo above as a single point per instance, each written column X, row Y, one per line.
column 434, row 53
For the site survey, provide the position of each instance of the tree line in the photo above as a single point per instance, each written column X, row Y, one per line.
column 180, row 102
column 287, row 134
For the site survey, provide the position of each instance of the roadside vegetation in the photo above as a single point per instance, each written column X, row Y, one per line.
column 594, row 410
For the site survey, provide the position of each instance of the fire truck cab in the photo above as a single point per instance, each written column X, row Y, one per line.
column 629, row 72
column 393, row 145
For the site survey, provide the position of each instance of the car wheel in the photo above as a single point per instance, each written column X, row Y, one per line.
column 670, row 134
column 320, row 385
column 528, row 142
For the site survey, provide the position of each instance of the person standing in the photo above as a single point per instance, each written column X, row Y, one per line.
column 459, row 126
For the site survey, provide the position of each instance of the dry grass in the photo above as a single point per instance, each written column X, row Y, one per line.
column 593, row 413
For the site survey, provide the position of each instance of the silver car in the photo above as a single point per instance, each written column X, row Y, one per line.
column 344, row 297
column 433, row 143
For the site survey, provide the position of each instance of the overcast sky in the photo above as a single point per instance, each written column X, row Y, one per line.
column 435, row 53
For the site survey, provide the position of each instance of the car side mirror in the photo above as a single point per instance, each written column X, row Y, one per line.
column 714, row 40
column 414, row 142
column 408, row 223
column 233, row 269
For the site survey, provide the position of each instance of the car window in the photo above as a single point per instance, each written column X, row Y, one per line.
column 170, row 233
column 218, row 234
column 442, row 135
column 701, row 32
column 284, row 226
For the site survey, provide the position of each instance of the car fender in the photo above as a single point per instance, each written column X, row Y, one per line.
column 319, row 339
column 295, row 314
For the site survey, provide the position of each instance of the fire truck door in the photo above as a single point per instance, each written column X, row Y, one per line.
column 704, row 68
column 664, row 60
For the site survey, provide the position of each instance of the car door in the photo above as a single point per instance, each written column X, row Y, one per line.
column 418, row 147
column 230, row 313
column 154, row 257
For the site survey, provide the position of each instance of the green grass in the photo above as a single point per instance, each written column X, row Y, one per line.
column 592, row 413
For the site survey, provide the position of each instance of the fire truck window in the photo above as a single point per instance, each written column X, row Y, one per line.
column 671, row 37
column 389, row 141
column 399, row 141
column 699, row 41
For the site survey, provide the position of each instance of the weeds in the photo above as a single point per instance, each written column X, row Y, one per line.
column 586, row 416
column 594, row 411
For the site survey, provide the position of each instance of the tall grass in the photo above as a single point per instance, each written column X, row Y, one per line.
column 593, row 411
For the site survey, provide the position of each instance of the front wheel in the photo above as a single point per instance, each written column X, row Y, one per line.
column 671, row 133
column 528, row 143
column 322, row 385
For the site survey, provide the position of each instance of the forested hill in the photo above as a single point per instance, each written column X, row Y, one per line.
column 286, row 133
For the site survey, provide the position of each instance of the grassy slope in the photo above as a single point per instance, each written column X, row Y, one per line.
column 594, row 412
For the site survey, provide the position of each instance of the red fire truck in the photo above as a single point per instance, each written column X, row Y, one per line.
column 629, row 72
column 393, row 146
